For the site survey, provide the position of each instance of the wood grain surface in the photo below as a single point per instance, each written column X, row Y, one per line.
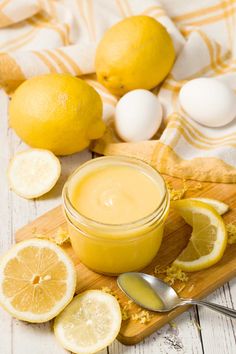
column 176, row 236
column 196, row 331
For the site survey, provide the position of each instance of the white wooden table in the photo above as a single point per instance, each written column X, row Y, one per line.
column 198, row 331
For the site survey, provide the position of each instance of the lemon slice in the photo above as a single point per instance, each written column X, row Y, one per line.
column 219, row 206
column 33, row 172
column 209, row 237
column 37, row 280
column 89, row 323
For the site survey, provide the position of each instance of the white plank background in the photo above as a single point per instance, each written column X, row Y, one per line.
column 198, row 331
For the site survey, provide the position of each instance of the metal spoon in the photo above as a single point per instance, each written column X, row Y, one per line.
column 134, row 284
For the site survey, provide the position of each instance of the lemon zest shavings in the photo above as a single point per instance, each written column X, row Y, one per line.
column 123, row 307
column 125, row 310
column 231, row 230
column 141, row 316
column 60, row 237
column 108, row 290
column 172, row 273
column 176, row 194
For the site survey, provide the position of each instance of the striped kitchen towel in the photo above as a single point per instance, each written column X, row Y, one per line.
column 43, row 36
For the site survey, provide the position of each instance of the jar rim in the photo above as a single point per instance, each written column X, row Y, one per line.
column 84, row 220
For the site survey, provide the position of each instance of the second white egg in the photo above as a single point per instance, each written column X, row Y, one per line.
column 138, row 115
column 208, row 101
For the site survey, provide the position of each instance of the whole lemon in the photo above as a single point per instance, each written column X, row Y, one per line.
column 57, row 112
column 135, row 53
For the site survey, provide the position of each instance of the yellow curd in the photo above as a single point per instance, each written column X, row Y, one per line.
column 139, row 290
column 115, row 208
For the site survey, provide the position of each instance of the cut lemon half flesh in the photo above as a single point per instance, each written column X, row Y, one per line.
column 37, row 280
column 208, row 239
column 219, row 206
column 89, row 323
column 33, row 172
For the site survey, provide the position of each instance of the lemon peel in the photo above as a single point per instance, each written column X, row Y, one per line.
column 57, row 112
column 141, row 59
column 219, row 206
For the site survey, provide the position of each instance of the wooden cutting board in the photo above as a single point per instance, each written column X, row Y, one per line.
column 176, row 237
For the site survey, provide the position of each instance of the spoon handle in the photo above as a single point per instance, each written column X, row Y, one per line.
column 222, row 309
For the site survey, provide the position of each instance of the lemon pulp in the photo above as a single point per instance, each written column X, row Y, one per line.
column 33, row 172
column 89, row 323
column 37, row 280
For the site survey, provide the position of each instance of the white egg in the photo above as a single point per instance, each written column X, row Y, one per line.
column 138, row 115
column 208, row 101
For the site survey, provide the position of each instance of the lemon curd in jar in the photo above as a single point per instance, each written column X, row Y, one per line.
column 115, row 208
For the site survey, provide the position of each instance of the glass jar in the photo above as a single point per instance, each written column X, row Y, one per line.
column 115, row 248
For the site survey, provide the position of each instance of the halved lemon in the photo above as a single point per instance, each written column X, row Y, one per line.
column 33, row 172
column 209, row 237
column 37, row 280
column 219, row 206
column 89, row 323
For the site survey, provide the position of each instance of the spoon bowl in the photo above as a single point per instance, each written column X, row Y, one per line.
column 168, row 296
column 154, row 294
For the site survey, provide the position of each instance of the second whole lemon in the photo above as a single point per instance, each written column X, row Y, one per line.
column 57, row 112
column 135, row 53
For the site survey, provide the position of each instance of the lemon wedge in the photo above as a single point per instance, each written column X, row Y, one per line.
column 33, row 172
column 209, row 237
column 89, row 323
column 37, row 280
column 219, row 206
